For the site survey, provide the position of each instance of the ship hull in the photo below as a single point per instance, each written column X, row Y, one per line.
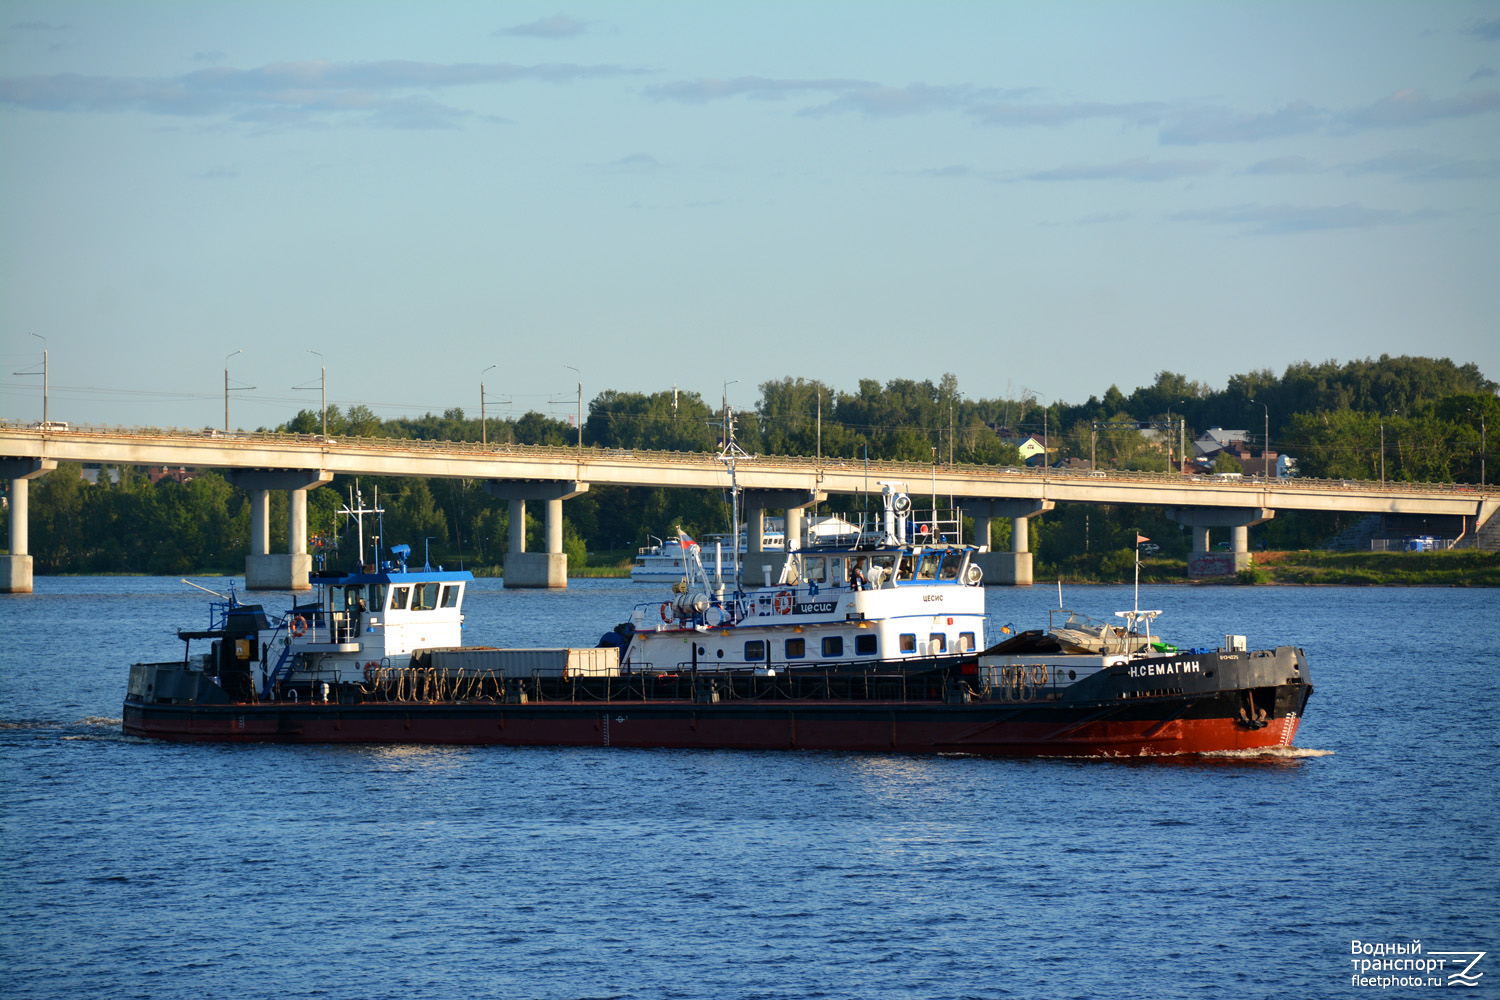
column 1140, row 727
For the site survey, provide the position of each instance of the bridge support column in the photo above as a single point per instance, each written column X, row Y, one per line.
column 264, row 569
column 1205, row 562
column 15, row 569
column 517, row 528
column 547, row 569
column 755, row 533
column 796, row 528
column 260, row 522
column 756, row 562
column 1013, row 568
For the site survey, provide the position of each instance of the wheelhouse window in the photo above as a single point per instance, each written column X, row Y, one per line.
column 351, row 599
column 424, row 597
column 815, row 569
column 952, row 562
column 866, row 644
column 450, row 595
column 377, row 594
column 937, row 642
column 755, row 650
column 928, row 568
column 399, row 597
column 907, row 567
column 908, row 642
column 796, row 649
column 833, row 645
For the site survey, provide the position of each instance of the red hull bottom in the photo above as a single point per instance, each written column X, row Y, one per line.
column 873, row 728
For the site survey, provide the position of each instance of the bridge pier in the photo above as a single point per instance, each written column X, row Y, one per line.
column 264, row 569
column 1013, row 568
column 792, row 503
column 547, row 569
column 1198, row 520
column 15, row 569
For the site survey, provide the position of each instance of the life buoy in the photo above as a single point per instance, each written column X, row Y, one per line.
column 299, row 627
column 666, row 611
column 784, row 603
column 370, row 670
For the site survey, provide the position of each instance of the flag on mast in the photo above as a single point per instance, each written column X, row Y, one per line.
column 1141, row 538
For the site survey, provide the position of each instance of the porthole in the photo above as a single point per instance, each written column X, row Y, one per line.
column 1072, row 675
column 721, row 654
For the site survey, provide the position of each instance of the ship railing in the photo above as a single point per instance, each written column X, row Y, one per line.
column 883, row 681
column 274, row 676
column 1021, row 682
column 322, row 625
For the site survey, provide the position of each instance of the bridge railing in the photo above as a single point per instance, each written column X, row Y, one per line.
column 911, row 472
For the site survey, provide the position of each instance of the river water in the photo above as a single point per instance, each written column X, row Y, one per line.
column 131, row 868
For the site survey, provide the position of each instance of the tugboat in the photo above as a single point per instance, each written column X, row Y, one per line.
column 870, row 641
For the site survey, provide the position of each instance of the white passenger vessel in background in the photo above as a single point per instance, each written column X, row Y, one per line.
column 666, row 561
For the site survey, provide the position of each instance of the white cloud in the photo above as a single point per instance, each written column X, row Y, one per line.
column 371, row 93
column 1145, row 170
column 556, row 26
column 1282, row 220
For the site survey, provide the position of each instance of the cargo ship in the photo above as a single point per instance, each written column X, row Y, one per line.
column 869, row 641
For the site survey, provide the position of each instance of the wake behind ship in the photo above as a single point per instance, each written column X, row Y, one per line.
column 872, row 641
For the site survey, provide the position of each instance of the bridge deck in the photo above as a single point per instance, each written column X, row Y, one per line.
column 623, row 467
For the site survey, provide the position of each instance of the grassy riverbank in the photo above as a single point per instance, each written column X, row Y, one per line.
column 1461, row 568
column 1458, row 568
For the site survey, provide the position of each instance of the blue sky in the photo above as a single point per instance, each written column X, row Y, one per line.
column 1053, row 196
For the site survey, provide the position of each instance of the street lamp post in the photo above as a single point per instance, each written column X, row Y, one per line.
column 228, row 389
column 1045, row 442
column 580, row 407
column 1265, row 446
column 1181, row 439
column 1481, row 446
column 483, row 427
column 724, row 409
column 323, row 382
column 1169, row 440
column 38, row 336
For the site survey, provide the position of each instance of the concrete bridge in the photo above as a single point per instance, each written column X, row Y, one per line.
column 262, row 462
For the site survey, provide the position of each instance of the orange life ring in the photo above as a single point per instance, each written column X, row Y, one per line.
column 784, row 603
column 299, row 627
column 666, row 611
column 370, row 670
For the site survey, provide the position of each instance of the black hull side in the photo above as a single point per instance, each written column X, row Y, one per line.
column 1233, row 702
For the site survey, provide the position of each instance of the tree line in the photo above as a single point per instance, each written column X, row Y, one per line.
column 1403, row 419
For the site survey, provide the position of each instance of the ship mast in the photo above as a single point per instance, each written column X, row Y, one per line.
column 356, row 509
column 729, row 454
